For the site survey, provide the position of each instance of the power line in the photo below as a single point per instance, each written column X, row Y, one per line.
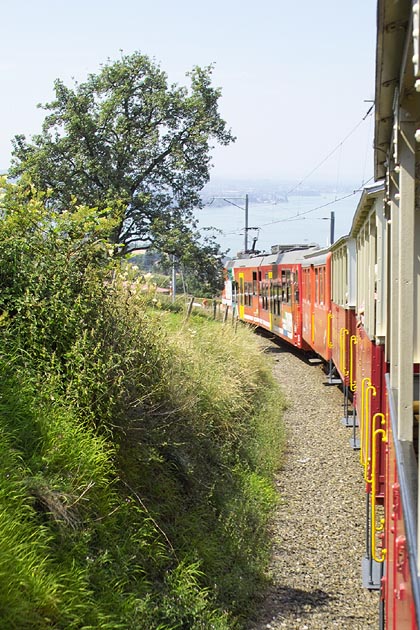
column 297, row 216
column 301, row 215
column 327, row 157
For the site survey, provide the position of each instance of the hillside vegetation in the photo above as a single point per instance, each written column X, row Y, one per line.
column 136, row 449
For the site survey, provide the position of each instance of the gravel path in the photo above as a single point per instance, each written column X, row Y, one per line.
column 318, row 531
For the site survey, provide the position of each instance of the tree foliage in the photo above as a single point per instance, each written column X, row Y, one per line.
column 129, row 142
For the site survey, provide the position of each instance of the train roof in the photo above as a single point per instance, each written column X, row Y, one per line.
column 340, row 242
column 391, row 41
column 317, row 257
column 284, row 257
column 368, row 196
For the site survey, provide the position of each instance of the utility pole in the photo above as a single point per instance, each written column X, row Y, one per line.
column 173, row 279
column 246, row 223
column 247, row 228
column 332, row 225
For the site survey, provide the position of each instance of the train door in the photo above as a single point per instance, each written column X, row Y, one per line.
column 295, row 300
column 241, row 296
column 313, row 289
column 269, row 298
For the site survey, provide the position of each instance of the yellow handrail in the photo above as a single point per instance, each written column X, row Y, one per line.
column 362, row 414
column 343, row 354
column 353, row 342
column 374, row 528
column 369, row 388
column 329, row 335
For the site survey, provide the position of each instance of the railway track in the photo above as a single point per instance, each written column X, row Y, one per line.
column 318, row 531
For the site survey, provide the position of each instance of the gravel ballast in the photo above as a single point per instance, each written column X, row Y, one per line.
column 319, row 527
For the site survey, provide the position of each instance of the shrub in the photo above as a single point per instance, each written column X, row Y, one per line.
column 136, row 450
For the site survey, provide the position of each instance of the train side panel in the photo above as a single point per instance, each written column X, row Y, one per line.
column 369, row 401
column 269, row 294
column 316, row 303
column 343, row 328
column 397, row 585
column 343, row 318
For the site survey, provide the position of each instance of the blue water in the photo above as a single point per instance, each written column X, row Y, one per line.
column 281, row 223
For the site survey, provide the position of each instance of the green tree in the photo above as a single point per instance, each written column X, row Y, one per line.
column 127, row 142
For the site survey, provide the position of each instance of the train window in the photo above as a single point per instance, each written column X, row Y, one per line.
column 254, row 283
column 321, row 286
column 241, row 290
column 306, row 284
column 273, row 298
column 265, row 298
column 246, row 293
column 235, row 290
column 340, row 280
column 285, row 285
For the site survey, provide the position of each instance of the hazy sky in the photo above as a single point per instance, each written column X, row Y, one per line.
column 294, row 75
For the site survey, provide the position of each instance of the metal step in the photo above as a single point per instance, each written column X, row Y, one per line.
column 355, row 443
column 350, row 422
column 315, row 361
column 371, row 574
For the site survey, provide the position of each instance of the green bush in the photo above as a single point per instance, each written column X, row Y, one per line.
column 136, row 450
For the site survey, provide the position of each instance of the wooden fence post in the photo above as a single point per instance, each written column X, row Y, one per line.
column 190, row 306
column 226, row 313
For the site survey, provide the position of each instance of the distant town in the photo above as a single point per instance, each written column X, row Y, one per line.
column 265, row 191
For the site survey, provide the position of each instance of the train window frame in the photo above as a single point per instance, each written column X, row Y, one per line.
column 339, row 285
column 286, row 286
column 254, row 283
column 307, row 284
column 321, row 286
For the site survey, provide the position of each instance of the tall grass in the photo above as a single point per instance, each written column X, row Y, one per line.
column 136, row 451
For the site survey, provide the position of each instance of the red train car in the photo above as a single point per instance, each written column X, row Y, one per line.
column 316, row 302
column 400, row 583
column 396, row 142
column 373, row 335
column 369, row 231
column 343, row 324
column 343, row 318
column 268, row 290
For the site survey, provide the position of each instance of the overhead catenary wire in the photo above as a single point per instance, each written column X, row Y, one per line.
column 327, row 157
column 298, row 215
